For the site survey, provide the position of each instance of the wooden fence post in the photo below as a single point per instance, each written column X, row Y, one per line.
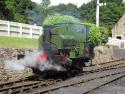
column 20, row 30
column 31, row 32
column 8, row 28
column 41, row 31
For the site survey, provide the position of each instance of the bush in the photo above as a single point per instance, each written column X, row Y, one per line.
column 60, row 19
column 94, row 35
column 104, row 34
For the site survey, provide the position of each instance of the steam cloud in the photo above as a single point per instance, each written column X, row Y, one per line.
column 31, row 61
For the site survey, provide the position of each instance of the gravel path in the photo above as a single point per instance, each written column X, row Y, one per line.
column 117, row 87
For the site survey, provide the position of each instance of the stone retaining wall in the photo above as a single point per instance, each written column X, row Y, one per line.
column 107, row 54
column 7, row 53
column 12, row 53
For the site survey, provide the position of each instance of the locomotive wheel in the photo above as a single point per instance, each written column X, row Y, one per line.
column 36, row 71
column 77, row 66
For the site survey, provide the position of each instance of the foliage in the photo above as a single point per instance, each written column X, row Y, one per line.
column 87, row 11
column 5, row 13
column 20, row 18
column 34, row 17
column 42, row 10
column 21, row 7
column 11, row 8
column 60, row 19
column 109, row 14
column 15, row 10
column 104, row 34
column 95, row 35
column 63, row 9
column 116, row 1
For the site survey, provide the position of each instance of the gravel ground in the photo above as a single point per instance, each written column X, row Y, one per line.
column 116, row 87
column 12, row 53
column 6, row 75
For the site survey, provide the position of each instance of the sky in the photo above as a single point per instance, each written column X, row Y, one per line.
column 56, row 2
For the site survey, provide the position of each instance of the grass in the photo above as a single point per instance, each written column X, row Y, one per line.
column 14, row 42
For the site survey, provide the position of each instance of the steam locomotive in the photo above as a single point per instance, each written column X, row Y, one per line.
column 65, row 45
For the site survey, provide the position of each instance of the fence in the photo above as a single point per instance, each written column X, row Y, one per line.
column 117, row 42
column 15, row 29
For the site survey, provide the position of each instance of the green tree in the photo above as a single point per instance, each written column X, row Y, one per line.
column 10, row 6
column 7, row 10
column 109, row 14
column 51, row 20
column 3, row 10
column 95, row 35
column 69, row 9
column 116, row 1
column 21, row 7
column 104, row 34
column 42, row 9
column 87, row 12
column 15, row 10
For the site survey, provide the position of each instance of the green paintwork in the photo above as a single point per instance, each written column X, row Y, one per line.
column 70, row 36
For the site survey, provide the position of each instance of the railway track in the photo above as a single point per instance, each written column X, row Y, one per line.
column 85, row 83
column 95, row 77
column 25, row 85
column 105, row 66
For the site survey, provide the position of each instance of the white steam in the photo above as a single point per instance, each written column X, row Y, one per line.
column 31, row 61
column 14, row 65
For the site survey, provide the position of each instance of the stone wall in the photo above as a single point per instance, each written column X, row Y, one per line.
column 107, row 54
column 12, row 53
column 7, row 53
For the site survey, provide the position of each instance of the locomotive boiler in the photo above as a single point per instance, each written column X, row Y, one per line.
column 66, row 45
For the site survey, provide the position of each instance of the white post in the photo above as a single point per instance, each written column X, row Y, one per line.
column 8, row 28
column 41, row 31
column 31, row 32
column 20, row 30
column 97, row 13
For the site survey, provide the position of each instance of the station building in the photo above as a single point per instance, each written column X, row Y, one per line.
column 118, row 31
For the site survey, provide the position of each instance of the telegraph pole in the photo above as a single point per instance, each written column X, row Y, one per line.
column 97, row 11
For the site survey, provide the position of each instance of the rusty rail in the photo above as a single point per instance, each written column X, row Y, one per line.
column 25, row 85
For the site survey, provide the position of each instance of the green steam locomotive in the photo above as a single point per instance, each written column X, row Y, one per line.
column 66, row 45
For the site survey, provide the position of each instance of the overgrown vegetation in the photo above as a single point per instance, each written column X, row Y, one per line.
column 60, row 19
column 95, row 35
column 13, row 42
column 109, row 13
